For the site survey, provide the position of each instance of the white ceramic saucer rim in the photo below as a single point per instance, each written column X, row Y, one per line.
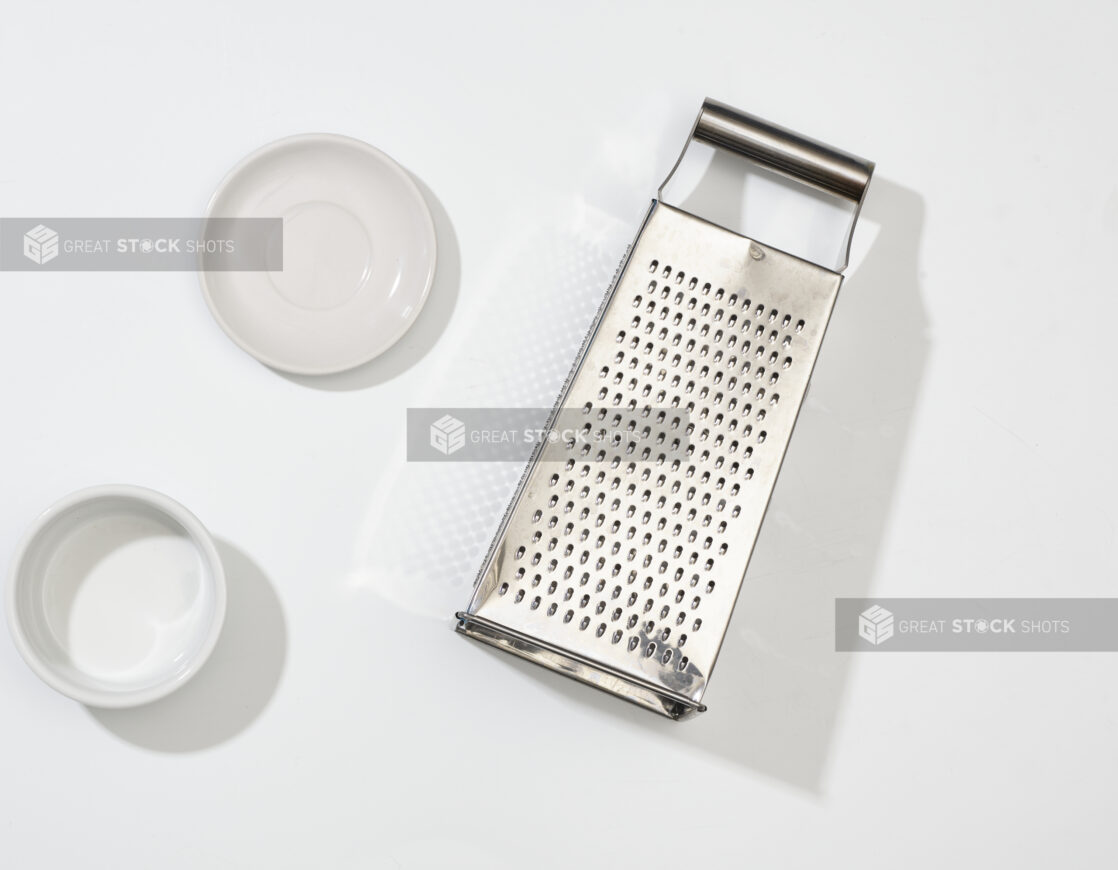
column 429, row 225
column 201, row 539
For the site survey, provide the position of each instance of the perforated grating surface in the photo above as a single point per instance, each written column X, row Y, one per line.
column 628, row 557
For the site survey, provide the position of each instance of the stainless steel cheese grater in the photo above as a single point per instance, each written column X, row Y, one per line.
column 619, row 560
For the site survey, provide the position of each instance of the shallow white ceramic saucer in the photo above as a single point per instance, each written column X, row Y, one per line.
column 116, row 596
column 358, row 254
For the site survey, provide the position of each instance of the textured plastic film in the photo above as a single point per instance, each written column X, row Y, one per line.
column 541, row 295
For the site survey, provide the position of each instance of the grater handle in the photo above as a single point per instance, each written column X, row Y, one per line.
column 784, row 151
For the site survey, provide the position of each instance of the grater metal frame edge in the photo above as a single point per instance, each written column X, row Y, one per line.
column 570, row 664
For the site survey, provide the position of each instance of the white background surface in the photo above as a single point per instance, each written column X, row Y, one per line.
column 959, row 440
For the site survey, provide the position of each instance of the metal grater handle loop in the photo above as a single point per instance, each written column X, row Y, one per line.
column 785, row 152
